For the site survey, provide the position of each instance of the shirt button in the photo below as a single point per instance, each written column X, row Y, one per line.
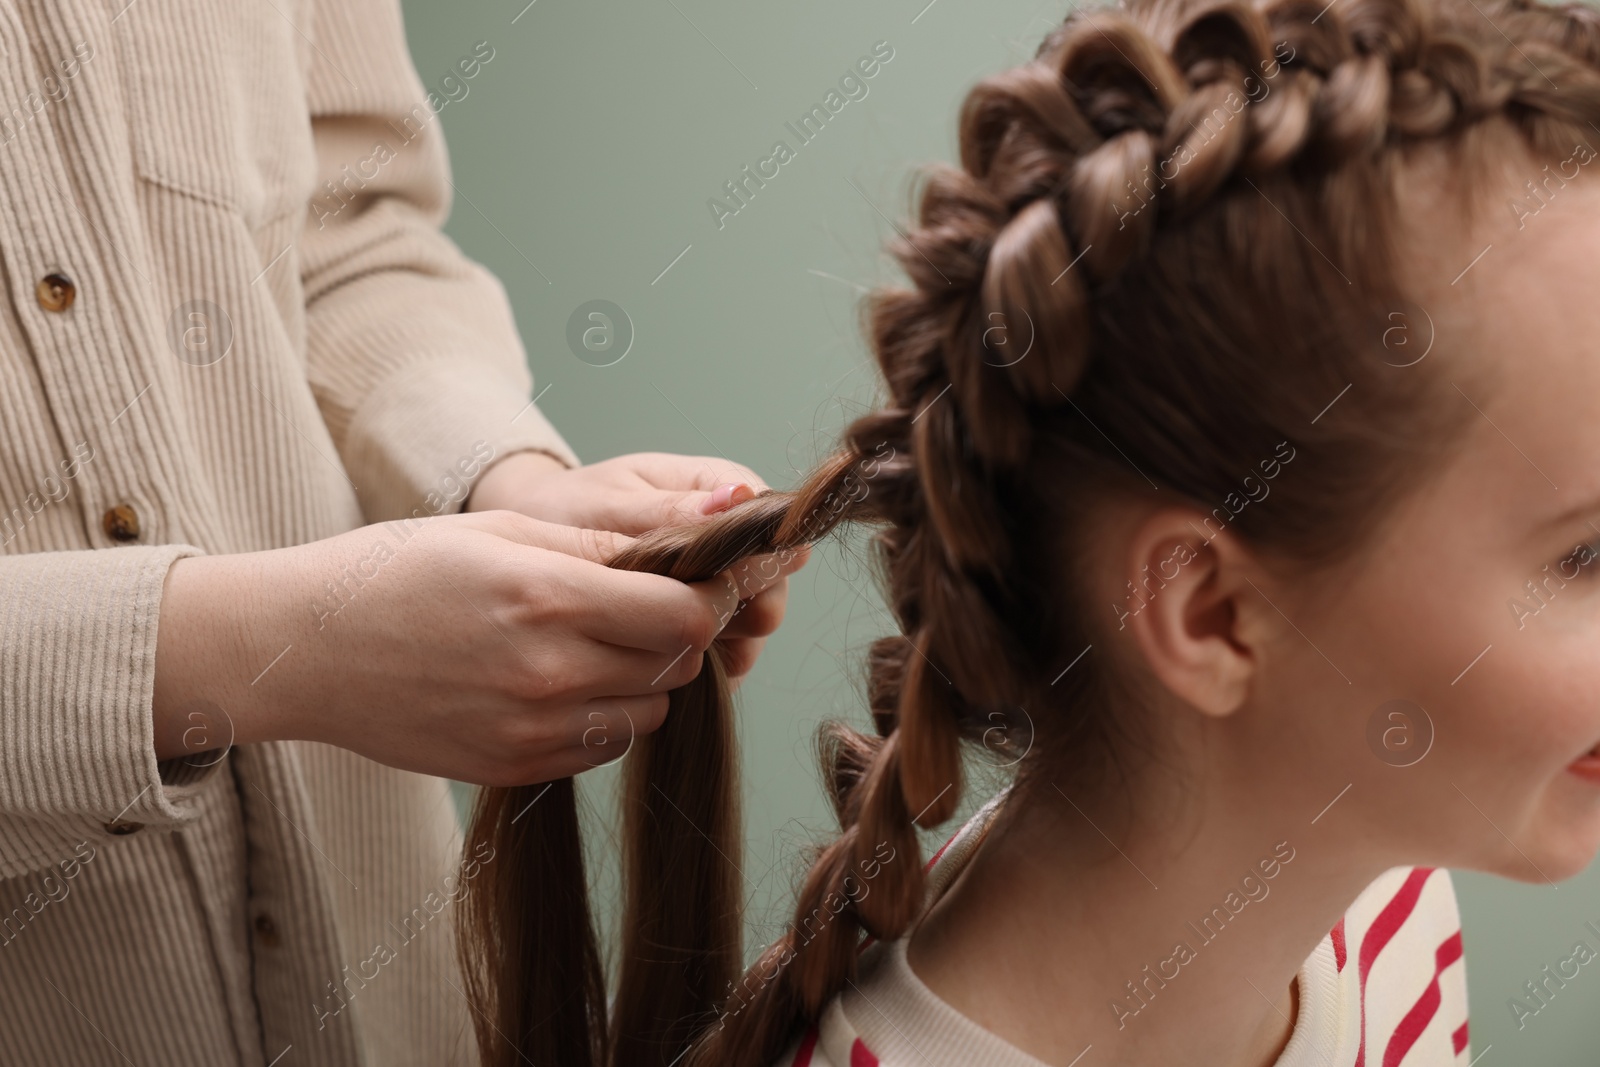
column 121, row 828
column 121, row 523
column 267, row 930
column 55, row 292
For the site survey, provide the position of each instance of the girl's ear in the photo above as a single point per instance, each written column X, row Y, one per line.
column 1192, row 609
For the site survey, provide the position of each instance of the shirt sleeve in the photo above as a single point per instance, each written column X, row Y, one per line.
column 412, row 350
column 77, row 669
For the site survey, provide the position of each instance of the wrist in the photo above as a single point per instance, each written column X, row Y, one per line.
column 505, row 480
column 204, row 694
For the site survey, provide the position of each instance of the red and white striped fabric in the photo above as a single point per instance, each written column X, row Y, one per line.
column 1386, row 987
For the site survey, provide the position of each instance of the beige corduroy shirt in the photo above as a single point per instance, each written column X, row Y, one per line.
column 230, row 323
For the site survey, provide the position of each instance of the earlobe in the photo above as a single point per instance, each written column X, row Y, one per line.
column 1190, row 609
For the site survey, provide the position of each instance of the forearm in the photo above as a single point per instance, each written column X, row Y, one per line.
column 411, row 348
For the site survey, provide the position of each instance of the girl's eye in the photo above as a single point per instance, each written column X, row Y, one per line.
column 1580, row 559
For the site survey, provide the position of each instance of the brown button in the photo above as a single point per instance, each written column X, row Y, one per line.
column 267, row 930
column 121, row 828
column 56, row 292
column 121, row 523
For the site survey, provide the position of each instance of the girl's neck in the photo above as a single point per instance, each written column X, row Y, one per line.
column 1178, row 943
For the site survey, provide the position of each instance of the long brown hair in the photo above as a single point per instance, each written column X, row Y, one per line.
column 1172, row 243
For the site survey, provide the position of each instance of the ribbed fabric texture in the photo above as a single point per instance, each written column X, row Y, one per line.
column 286, row 902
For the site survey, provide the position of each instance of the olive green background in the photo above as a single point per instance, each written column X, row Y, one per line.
column 584, row 153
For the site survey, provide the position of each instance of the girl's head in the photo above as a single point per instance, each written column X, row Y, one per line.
column 1233, row 437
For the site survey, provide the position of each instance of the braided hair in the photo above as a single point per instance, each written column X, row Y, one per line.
column 1170, row 242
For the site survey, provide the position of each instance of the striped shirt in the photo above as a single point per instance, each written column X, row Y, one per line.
column 1386, row 987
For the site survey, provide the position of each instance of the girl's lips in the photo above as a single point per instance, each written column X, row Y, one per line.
column 1587, row 765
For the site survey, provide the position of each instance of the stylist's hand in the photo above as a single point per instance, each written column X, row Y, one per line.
column 638, row 492
column 490, row 648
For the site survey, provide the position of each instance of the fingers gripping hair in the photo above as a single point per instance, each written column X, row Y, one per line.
column 528, row 949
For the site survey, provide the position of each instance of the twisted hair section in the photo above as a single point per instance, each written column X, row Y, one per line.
column 525, row 935
column 682, row 948
column 1171, row 241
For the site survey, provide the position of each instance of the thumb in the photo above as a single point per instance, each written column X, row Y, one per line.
column 596, row 546
column 721, row 498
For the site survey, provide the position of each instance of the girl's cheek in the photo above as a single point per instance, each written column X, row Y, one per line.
column 1535, row 709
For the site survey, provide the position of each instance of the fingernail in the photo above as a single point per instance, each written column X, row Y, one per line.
column 726, row 495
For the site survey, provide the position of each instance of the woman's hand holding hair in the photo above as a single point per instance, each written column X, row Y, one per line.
column 638, row 492
column 490, row 647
